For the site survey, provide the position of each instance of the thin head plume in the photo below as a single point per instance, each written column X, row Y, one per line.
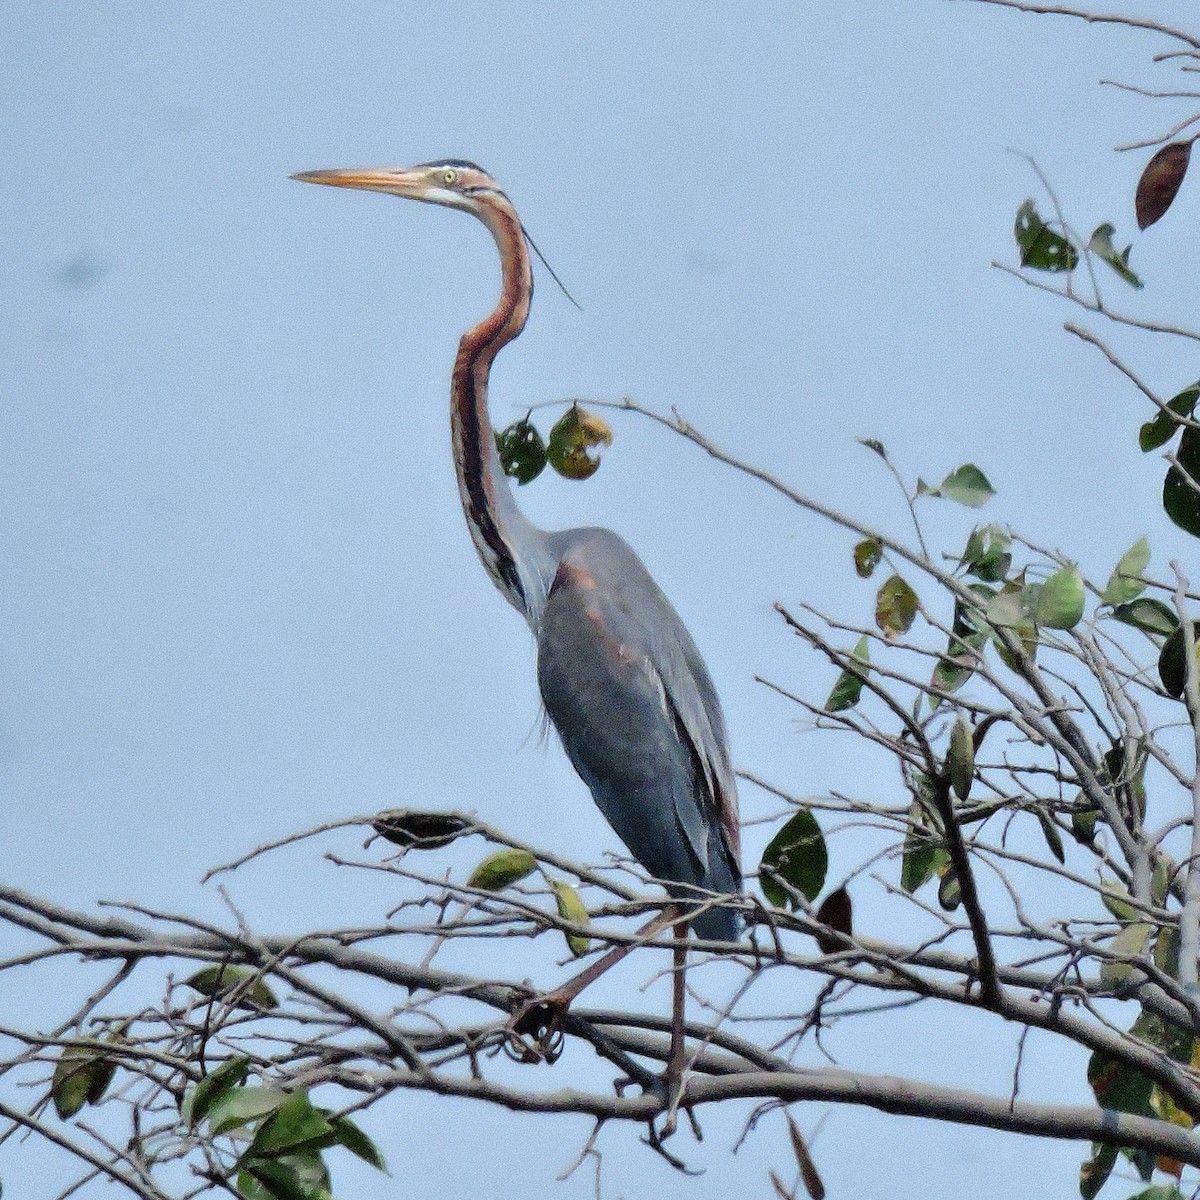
column 562, row 286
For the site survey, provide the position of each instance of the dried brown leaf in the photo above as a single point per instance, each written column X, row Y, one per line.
column 836, row 912
column 808, row 1169
column 780, row 1190
column 1160, row 182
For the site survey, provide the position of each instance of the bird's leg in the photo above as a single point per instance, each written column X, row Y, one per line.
column 677, row 1064
column 534, row 1031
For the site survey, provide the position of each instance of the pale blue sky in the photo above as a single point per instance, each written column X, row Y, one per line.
column 238, row 595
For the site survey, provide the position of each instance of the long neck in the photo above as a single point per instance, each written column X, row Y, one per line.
column 513, row 550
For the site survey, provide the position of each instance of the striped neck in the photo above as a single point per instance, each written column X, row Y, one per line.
column 509, row 546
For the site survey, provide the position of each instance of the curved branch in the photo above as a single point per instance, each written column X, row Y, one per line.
column 1057, row 10
column 885, row 1093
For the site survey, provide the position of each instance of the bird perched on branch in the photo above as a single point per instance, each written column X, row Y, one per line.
column 619, row 674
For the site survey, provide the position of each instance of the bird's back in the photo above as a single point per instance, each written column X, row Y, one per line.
column 638, row 715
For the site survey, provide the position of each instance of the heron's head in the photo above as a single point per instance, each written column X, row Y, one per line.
column 452, row 182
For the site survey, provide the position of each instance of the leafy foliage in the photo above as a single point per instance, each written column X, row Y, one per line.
column 278, row 1137
column 576, row 436
column 847, row 688
column 417, row 830
column 1101, row 244
column 522, row 450
column 795, row 856
column 895, row 606
column 1041, row 247
column 82, row 1075
column 1125, row 584
column 966, row 484
column 1172, row 663
column 960, row 758
column 572, row 908
column 571, row 448
column 502, row 869
column 1181, row 488
column 1161, row 429
column 867, row 555
column 987, row 554
column 836, row 911
column 238, row 986
column 1060, row 600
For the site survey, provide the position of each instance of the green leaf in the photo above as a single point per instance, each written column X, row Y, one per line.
column 574, row 441
column 81, row 1076
column 1163, row 1191
column 1083, row 820
column 1094, row 1173
column 1041, row 247
column 848, row 687
column 1148, row 615
column 347, row 1134
column 874, row 445
column 1123, row 584
column 1110, row 897
column 923, row 855
column 895, row 606
column 967, row 636
column 222, row 982
column 249, row 1188
column 1181, row 488
column 1161, row 429
column 419, row 830
column 1009, row 607
column 1166, row 951
column 1129, row 777
column 867, row 554
column 1060, row 600
column 1172, row 663
column 960, row 758
column 987, row 554
column 522, row 451
column 1160, row 878
column 949, row 889
column 1027, row 634
column 966, row 485
column 1117, row 1086
column 572, row 908
column 213, row 1086
column 950, row 674
column 797, row 854
column 974, row 547
column 242, row 1106
column 502, row 869
column 1050, row 833
column 1131, row 942
column 1101, row 244
column 290, row 1177
column 294, row 1123
column 1178, row 1042
column 1165, row 1107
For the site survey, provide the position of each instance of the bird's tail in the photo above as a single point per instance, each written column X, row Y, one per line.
column 723, row 877
column 719, row 925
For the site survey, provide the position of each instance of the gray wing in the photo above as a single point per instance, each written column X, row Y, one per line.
column 635, row 707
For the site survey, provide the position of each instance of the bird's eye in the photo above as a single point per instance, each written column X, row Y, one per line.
column 449, row 176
